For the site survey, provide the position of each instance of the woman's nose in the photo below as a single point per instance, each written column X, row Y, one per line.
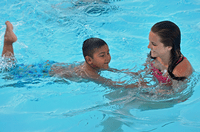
column 149, row 45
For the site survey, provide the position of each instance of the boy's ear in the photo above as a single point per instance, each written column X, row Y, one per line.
column 88, row 59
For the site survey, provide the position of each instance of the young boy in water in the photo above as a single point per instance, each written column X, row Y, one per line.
column 97, row 57
column 95, row 52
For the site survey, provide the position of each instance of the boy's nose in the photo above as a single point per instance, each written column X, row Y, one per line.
column 108, row 58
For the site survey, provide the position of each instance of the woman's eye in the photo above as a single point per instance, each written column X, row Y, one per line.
column 153, row 44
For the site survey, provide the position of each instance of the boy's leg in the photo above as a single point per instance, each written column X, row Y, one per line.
column 9, row 39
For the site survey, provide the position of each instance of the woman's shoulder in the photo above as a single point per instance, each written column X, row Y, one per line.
column 183, row 69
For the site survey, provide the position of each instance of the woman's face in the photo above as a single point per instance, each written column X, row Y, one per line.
column 157, row 47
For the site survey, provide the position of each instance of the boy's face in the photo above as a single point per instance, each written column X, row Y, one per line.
column 101, row 58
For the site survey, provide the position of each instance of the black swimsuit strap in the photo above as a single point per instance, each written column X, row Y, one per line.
column 172, row 75
column 170, row 72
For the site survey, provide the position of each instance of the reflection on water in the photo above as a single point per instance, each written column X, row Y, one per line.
column 125, row 106
column 131, row 101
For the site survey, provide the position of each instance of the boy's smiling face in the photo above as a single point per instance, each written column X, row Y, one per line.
column 101, row 58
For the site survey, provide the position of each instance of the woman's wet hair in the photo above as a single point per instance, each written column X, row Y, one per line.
column 91, row 45
column 170, row 35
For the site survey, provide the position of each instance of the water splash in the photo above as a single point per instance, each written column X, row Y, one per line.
column 7, row 64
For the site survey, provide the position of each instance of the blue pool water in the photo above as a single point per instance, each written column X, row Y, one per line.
column 55, row 30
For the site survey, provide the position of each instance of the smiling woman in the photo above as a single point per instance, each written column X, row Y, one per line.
column 168, row 62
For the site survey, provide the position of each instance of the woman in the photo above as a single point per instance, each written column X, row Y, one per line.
column 168, row 62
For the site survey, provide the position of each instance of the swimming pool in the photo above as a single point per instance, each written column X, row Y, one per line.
column 55, row 29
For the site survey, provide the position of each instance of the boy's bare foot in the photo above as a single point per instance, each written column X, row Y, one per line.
column 9, row 39
column 9, row 34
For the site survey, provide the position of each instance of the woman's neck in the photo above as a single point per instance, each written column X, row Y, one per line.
column 165, row 60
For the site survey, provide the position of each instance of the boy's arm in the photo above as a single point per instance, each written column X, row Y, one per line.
column 118, row 84
column 146, row 69
column 108, row 82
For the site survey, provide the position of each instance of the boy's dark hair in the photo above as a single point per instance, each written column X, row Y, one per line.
column 92, row 44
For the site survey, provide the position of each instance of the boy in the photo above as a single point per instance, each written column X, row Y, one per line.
column 97, row 57
column 95, row 52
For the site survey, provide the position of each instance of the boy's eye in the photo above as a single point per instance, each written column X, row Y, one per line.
column 101, row 55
